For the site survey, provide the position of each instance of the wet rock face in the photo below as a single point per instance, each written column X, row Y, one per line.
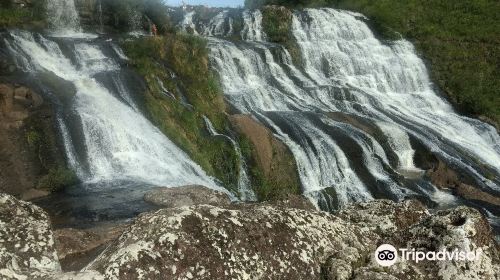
column 77, row 247
column 28, row 140
column 26, row 242
column 271, row 156
column 186, row 196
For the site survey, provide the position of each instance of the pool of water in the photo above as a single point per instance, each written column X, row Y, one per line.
column 91, row 204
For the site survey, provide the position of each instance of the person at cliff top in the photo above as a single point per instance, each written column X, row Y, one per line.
column 154, row 30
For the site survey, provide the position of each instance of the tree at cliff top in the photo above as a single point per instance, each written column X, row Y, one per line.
column 125, row 13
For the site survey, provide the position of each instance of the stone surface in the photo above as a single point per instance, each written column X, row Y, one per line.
column 252, row 241
column 209, row 242
column 271, row 156
column 186, row 196
column 77, row 247
column 28, row 140
column 26, row 242
column 264, row 241
column 27, row 247
column 445, row 177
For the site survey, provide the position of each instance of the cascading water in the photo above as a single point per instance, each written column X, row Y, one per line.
column 244, row 186
column 62, row 15
column 109, row 143
column 351, row 112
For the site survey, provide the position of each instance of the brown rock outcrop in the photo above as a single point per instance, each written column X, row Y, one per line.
column 28, row 145
column 271, row 156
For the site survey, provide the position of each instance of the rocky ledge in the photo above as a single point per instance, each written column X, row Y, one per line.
column 258, row 241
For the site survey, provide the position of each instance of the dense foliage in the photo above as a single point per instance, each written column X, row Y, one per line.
column 13, row 15
column 129, row 14
column 460, row 39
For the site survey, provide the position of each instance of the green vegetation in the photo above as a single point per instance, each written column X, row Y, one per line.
column 277, row 24
column 187, row 57
column 124, row 14
column 282, row 179
column 460, row 39
column 12, row 15
column 57, row 178
column 41, row 142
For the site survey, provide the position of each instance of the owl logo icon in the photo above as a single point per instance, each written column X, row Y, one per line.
column 386, row 255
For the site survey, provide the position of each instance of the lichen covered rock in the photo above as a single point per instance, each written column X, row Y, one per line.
column 265, row 241
column 26, row 242
column 255, row 241
column 209, row 242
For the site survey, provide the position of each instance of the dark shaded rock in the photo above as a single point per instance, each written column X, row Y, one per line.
column 294, row 201
column 442, row 176
column 28, row 141
column 472, row 193
column 186, row 196
column 78, row 247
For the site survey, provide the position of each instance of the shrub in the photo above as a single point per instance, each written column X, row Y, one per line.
column 57, row 179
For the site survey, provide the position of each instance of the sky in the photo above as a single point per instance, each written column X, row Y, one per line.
column 212, row 3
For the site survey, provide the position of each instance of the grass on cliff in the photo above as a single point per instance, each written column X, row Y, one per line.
column 187, row 58
column 277, row 24
column 460, row 39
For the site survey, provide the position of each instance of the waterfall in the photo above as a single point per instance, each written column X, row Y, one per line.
column 252, row 30
column 348, row 114
column 118, row 142
column 187, row 23
column 220, row 25
column 62, row 15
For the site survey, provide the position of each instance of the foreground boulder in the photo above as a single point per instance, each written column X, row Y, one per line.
column 253, row 241
column 27, row 249
column 265, row 241
column 186, row 196
column 26, row 242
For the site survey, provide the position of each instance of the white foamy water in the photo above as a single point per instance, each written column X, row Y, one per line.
column 187, row 23
column 62, row 15
column 252, row 30
column 347, row 70
column 394, row 81
column 120, row 143
column 220, row 25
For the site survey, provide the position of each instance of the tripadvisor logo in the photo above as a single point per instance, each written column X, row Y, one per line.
column 387, row 255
